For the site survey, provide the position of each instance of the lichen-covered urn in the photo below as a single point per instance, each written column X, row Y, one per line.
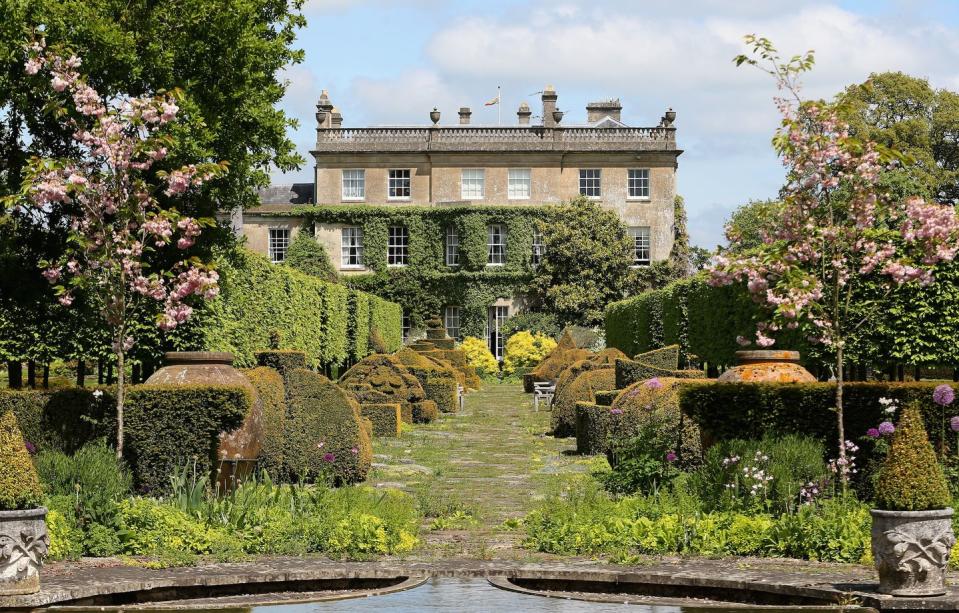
column 911, row 551
column 23, row 545
column 767, row 366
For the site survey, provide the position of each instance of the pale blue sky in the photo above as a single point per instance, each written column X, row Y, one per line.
column 392, row 61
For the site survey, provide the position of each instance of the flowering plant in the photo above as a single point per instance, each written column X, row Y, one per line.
column 107, row 190
column 838, row 227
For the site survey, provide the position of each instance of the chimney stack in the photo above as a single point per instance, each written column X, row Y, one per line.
column 465, row 113
column 324, row 108
column 596, row 111
column 336, row 119
column 549, row 105
column 523, row 114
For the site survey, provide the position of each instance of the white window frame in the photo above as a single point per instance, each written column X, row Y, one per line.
column 397, row 246
column 406, row 326
column 451, row 320
column 591, row 180
column 642, row 243
column 452, row 246
column 473, row 184
column 353, row 184
column 537, row 255
column 516, row 179
column 496, row 318
column 395, row 183
column 637, row 179
column 277, row 244
column 351, row 246
column 496, row 251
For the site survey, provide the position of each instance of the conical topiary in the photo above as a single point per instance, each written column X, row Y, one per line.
column 19, row 484
column 911, row 478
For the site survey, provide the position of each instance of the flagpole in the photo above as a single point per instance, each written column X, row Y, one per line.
column 499, row 106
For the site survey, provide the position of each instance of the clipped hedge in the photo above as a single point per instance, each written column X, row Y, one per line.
column 593, row 425
column 257, row 297
column 325, row 433
column 425, row 411
column 383, row 378
column 385, row 417
column 702, row 320
column 165, row 425
column 268, row 384
column 282, row 361
column 629, row 372
column 584, row 381
column 752, row 410
column 168, row 425
column 444, row 391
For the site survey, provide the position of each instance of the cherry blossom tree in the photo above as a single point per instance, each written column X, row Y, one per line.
column 107, row 191
column 838, row 228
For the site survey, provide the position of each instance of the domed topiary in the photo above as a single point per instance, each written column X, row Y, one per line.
column 387, row 376
column 19, row 484
column 581, row 388
column 911, row 478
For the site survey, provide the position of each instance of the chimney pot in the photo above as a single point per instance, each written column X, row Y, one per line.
column 465, row 113
column 549, row 106
column 596, row 111
column 523, row 114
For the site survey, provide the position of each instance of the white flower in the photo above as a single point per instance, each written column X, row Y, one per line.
column 97, row 394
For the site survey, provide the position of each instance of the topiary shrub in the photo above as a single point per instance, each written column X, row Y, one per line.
column 425, row 411
column 385, row 418
column 581, row 387
column 444, row 391
column 666, row 358
column 168, row 425
column 556, row 362
column 281, row 361
column 593, row 424
column 524, row 350
column 629, row 372
column 326, row 436
column 308, row 256
column 479, row 356
column 911, row 478
column 63, row 419
column 655, row 403
column 19, row 484
column 269, row 388
column 383, row 378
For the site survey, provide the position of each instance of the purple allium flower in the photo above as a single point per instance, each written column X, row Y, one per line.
column 873, row 433
column 616, row 411
column 954, row 423
column 654, row 383
column 943, row 395
column 886, row 428
column 31, row 449
column 671, row 457
column 328, row 457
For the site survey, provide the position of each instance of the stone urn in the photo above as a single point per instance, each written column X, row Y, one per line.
column 240, row 447
column 911, row 551
column 23, row 545
column 767, row 366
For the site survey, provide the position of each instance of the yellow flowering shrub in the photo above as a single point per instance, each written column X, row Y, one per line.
column 479, row 356
column 525, row 350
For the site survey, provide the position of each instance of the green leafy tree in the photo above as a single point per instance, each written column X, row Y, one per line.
column 587, row 258
column 308, row 256
column 749, row 223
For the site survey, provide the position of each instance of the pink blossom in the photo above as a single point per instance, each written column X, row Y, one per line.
column 32, row 66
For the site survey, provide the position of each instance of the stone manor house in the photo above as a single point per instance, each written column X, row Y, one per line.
column 466, row 168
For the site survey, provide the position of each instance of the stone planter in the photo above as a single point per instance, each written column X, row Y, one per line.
column 911, row 550
column 767, row 366
column 23, row 545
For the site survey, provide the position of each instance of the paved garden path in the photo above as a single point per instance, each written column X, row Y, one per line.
column 476, row 470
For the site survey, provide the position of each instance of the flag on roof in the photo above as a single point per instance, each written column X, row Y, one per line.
column 493, row 102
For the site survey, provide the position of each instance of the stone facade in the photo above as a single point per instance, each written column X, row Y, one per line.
column 630, row 170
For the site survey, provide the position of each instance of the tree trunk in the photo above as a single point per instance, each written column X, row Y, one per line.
column 81, row 372
column 31, row 374
column 120, row 393
column 100, row 371
column 110, row 373
column 14, row 374
column 917, row 373
column 839, row 418
column 46, row 376
column 136, row 374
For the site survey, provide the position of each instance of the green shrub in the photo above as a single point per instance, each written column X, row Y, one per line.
column 728, row 411
column 166, row 425
column 479, row 356
column 593, row 425
column 439, row 379
column 101, row 541
column 19, row 485
column 326, row 437
column 308, row 256
column 582, row 387
column 534, row 322
column 150, row 526
column 725, row 480
column 911, row 478
column 93, row 478
column 66, row 538
column 526, row 350
column 557, row 361
column 444, row 391
column 272, row 395
column 425, row 412
column 383, row 378
column 387, row 418
column 281, row 361
column 629, row 372
column 666, row 358
column 64, row 419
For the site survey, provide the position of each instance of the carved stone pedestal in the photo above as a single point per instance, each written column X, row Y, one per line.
column 911, row 550
column 23, row 545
